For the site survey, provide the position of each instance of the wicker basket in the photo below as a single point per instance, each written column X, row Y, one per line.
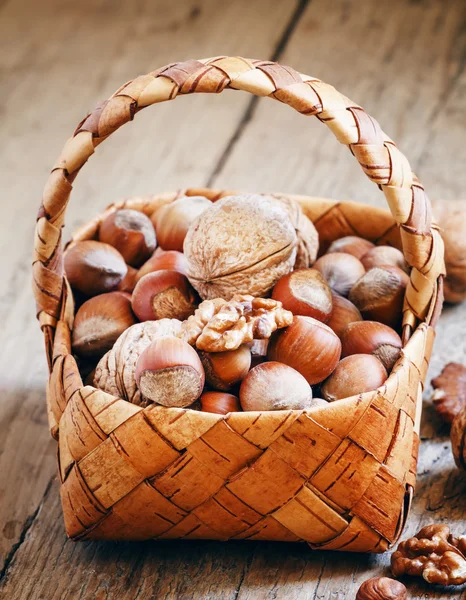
column 339, row 477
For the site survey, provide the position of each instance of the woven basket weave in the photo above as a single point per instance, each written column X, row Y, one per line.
column 339, row 477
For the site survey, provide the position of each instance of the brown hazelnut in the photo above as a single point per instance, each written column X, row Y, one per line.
column 343, row 313
column 224, row 369
column 173, row 220
column 128, row 283
column 341, row 270
column 304, row 292
column 99, row 322
column 163, row 295
column 169, row 372
column 354, row 375
column 382, row 588
column 308, row 346
column 131, row 233
column 240, row 245
column 94, row 267
column 379, row 295
column 351, row 244
column 163, row 260
column 220, row 403
column 372, row 337
column 379, row 256
column 274, row 386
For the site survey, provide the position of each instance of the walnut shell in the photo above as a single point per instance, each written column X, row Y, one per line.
column 308, row 238
column 240, row 245
column 115, row 373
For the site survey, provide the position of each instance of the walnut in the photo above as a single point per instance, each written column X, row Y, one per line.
column 382, row 588
column 449, row 396
column 240, row 245
column 308, row 238
column 434, row 554
column 218, row 325
column 115, row 372
column 458, row 438
column 450, row 216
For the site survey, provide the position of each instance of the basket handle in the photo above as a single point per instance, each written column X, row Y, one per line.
column 378, row 156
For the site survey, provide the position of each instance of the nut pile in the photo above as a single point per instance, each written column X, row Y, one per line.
column 225, row 306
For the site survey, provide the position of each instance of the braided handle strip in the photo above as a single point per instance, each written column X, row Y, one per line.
column 378, row 156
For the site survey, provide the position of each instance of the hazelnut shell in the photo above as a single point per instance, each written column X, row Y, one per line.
column 173, row 220
column 225, row 369
column 169, row 372
column 343, row 313
column 304, row 292
column 340, row 270
column 351, row 244
column 163, row 295
column 354, row 375
column 93, row 267
column 372, row 337
column 131, row 233
column 274, row 386
column 99, row 322
column 220, row 403
column 308, row 346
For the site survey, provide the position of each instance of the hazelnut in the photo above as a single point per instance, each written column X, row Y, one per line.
column 343, row 313
column 379, row 295
column 128, row 283
column 341, row 270
column 382, row 588
column 220, row 403
column 224, row 369
column 304, row 292
column 173, row 220
column 163, row 295
column 379, row 256
column 351, row 244
column 94, row 267
column 131, row 233
column 240, row 245
column 99, row 322
column 169, row 372
column 354, row 375
column 163, row 260
column 274, row 386
column 308, row 346
column 371, row 337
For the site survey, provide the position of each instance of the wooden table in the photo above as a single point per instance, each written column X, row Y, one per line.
column 404, row 60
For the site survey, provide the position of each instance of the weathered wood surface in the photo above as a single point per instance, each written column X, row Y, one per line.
column 404, row 61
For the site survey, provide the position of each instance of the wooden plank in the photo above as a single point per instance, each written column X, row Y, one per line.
column 61, row 569
column 58, row 63
column 404, row 62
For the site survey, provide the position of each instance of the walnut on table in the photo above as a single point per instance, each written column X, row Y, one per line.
column 219, row 325
column 434, row 554
column 449, row 395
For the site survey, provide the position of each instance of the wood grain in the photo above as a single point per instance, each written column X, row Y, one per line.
column 404, row 61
